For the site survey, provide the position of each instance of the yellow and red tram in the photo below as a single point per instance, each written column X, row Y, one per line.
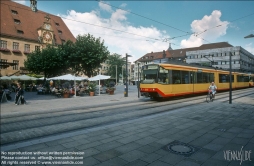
column 168, row 80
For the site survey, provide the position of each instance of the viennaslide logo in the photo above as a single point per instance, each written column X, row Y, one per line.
column 241, row 155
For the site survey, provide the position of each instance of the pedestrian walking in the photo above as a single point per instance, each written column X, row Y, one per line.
column 19, row 97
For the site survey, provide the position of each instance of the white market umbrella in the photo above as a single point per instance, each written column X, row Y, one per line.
column 5, row 78
column 69, row 77
column 99, row 77
column 26, row 77
column 14, row 77
column 42, row 78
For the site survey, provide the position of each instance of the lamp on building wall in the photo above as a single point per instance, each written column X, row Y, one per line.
column 249, row 36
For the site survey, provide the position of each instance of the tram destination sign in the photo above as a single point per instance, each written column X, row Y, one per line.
column 152, row 67
column 199, row 71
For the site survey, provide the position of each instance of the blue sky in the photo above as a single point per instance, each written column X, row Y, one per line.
column 181, row 18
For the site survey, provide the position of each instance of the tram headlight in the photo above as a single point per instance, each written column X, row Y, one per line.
column 153, row 89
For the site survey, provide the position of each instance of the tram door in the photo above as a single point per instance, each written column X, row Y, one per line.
column 193, row 80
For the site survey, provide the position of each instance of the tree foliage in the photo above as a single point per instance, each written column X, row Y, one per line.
column 113, row 60
column 90, row 53
column 84, row 56
column 44, row 61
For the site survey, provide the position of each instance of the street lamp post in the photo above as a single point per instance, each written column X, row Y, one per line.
column 126, row 82
column 99, row 82
column 122, row 74
column 116, row 74
column 230, row 78
column 138, row 81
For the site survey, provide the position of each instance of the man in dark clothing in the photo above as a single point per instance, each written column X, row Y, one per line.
column 20, row 93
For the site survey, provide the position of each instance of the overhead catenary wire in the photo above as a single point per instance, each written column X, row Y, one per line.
column 163, row 40
column 188, row 33
column 145, row 17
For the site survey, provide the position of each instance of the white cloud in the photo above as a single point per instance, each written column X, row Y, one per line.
column 249, row 47
column 206, row 29
column 21, row 2
column 123, row 5
column 105, row 7
column 116, row 41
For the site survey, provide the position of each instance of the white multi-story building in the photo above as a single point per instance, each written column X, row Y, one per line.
column 213, row 54
column 241, row 59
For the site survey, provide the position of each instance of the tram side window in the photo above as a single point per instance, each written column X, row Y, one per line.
column 211, row 77
column 185, row 77
column 176, row 76
column 242, row 78
column 224, row 78
column 205, row 77
column 199, row 78
column 163, row 77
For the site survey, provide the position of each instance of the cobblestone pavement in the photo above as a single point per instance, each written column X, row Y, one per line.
column 205, row 133
column 49, row 102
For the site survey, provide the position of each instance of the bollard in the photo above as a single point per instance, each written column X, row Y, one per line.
column 125, row 92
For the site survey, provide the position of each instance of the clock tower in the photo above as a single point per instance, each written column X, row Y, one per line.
column 33, row 5
column 45, row 32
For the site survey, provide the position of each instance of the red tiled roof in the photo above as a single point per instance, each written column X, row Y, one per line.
column 30, row 23
column 181, row 53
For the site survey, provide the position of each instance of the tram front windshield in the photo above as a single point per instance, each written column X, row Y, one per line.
column 149, row 76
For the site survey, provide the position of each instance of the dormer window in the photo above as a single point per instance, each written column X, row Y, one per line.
column 17, row 21
column 14, row 12
column 57, row 24
column 59, row 32
column 20, row 32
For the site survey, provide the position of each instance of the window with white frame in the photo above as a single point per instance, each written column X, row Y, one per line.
column 37, row 48
column 15, row 46
column 3, row 44
column 15, row 67
column 27, row 47
column 5, row 61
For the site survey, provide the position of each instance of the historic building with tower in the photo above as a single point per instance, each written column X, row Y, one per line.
column 25, row 29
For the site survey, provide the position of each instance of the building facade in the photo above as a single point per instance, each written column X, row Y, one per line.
column 241, row 59
column 25, row 29
column 214, row 54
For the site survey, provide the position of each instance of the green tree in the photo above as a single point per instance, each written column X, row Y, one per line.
column 113, row 61
column 45, row 61
column 66, row 54
column 90, row 52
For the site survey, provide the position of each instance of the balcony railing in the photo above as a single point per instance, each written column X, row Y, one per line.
column 4, row 49
column 16, row 51
column 26, row 52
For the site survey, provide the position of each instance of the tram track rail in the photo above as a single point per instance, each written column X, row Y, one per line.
column 119, row 114
column 15, row 119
